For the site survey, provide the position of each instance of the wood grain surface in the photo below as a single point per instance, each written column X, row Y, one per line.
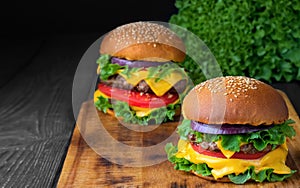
column 83, row 166
column 36, row 118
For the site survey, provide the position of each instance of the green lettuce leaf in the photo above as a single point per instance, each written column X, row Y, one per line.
column 107, row 69
column 103, row 104
column 184, row 129
column 260, row 139
column 128, row 71
column 202, row 169
column 160, row 72
column 261, row 176
column 183, row 164
column 123, row 110
column 241, row 178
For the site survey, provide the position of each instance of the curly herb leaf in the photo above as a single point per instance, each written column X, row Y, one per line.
column 260, row 39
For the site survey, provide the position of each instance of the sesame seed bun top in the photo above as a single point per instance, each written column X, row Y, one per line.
column 235, row 100
column 143, row 41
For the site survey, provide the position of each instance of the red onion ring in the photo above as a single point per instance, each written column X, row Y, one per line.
column 137, row 64
column 226, row 128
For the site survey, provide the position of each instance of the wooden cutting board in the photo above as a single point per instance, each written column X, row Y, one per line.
column 83, row 167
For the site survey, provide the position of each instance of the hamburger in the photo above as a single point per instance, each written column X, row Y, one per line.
column 140, row 81
column 234, row 130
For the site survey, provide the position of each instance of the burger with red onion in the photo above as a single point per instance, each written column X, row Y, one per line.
column 140, row 81
column 234, row 130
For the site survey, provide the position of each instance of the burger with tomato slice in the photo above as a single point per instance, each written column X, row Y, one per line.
column 235, row 129
column 140, row 81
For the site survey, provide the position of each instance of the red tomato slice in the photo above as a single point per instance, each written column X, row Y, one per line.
column 144, row 100
column 237, row 155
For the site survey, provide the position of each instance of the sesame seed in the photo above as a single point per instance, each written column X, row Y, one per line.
column 141, row 32
column 233, row 86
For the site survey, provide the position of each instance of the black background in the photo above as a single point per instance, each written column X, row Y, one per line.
column 27, row 25
column 48, row 17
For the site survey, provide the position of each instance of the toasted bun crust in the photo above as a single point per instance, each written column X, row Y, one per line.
column 143, row 41
column 235, row 100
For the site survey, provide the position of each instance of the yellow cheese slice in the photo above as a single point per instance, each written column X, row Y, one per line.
column 227, row 153
column 158, row 87
column 141, row 112
column 97, row 94
column 222, row 167
column 98, row 69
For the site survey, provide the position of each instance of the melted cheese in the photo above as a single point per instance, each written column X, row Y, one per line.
column 98, row 70
column 158, row 87
column 98, row 94
column 222, row 167
column 140, row 112
column 226, row 153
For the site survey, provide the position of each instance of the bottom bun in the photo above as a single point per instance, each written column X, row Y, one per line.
column 211, row 178
column 108, row 112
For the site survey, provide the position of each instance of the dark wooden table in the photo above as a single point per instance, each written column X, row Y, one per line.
column 36, row 116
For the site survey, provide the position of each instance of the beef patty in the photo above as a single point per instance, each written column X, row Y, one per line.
column 120, row 82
